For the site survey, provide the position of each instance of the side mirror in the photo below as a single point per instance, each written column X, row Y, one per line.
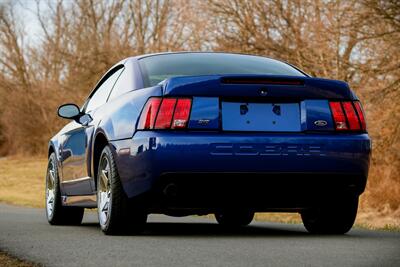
column 69, row 111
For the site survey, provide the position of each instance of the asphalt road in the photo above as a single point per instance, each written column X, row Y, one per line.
column 189, row 241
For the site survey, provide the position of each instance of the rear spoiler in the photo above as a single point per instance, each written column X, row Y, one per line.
column 257, row 85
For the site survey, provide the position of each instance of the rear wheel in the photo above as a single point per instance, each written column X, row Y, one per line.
column 56, row 213
column 116, row 216
column 234, row 218
column 334, row 218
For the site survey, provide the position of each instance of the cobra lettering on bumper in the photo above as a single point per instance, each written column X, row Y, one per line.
column 266, row 150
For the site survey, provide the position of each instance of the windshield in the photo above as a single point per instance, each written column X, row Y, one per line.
column 160, row 67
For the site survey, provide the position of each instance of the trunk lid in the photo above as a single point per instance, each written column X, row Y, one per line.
column 259, row 103
column 256, row 86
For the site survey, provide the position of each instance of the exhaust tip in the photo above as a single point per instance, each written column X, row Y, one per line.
column 171, row 190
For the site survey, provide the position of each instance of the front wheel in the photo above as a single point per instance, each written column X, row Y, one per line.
column 234, row 218
column 116, row 216
column 334, row 218
column 56, row 213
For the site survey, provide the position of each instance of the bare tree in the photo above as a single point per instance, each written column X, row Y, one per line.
column 12, row 54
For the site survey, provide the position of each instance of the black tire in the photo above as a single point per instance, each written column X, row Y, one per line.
column 122, row 216
column 234, row 218
column 334, row 218
column 59, row 215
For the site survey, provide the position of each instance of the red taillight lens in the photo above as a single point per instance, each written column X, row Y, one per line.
column 181, row 114
column 360, row 114
column 338, row 116
column 351, row 116
column 165, row 113
column 348, row 116
column 149, row 113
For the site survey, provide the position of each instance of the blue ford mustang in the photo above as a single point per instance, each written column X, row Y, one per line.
column 210, row 133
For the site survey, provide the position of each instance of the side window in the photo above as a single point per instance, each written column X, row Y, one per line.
column 121, row 86
column 100, row 96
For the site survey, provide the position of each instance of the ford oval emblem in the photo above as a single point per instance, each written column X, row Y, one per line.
column 320, row 123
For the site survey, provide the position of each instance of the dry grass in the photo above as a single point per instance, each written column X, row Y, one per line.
column 22, row 183
column 9, row 261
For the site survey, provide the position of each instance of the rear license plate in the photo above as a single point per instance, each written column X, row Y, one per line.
column 266, row 117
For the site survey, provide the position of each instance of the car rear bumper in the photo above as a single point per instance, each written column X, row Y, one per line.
column 278, row 162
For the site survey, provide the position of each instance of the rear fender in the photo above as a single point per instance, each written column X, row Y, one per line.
column 120, row 115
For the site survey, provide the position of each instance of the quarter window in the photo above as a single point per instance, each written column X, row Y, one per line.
column 100, row 96
column 122, row 85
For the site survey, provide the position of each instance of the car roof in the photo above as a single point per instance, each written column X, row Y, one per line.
column 192, row 52
column 138, row 57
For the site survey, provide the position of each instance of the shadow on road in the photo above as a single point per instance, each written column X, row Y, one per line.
column 211, row 229
column 207, row 229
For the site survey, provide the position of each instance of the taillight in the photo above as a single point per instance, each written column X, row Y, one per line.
column 348, row 116
column 338, row 116
column 351, row 115
column 165, row 113
column 360, row 114
column 149, row 113
column 181, row 114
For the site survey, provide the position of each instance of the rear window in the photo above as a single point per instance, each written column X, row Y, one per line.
column 160, row 67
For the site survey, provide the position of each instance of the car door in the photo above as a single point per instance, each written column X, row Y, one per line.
column 76, row 139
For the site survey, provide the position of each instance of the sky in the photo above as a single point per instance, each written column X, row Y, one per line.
column 24, row 11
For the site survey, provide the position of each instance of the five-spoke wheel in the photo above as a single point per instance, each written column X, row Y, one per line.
column 56, row 213
column 50, row 187
column 104, row 191
column 116, row 213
